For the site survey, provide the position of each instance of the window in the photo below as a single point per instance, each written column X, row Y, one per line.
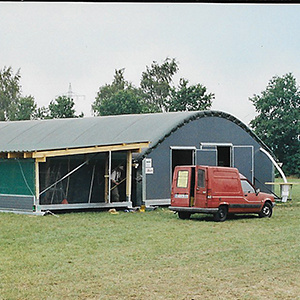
column 182, row 179
column 201, row 178
column 247, row 187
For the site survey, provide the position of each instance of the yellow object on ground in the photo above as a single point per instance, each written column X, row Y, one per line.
column 113, row 211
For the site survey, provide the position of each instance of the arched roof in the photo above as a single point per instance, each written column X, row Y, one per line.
column 39, row 135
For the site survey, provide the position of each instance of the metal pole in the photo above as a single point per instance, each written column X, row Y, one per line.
column 91, row 186
column 275, row 164
column 144, row 185
column 109, row 176
column 67, row 175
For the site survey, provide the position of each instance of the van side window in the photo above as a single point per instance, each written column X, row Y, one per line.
column 247, row 187
column 201, row 178
column 182, row 179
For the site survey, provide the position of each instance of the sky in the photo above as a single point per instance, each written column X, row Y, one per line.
column 232, row 49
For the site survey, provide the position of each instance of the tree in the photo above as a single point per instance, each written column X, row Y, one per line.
column 14, row 106
column 156, row 83
column 62, row 107
column 277, row 123
column 120, row 97
column 41, row 113
column 155, row 94
column 189, row 98
column 123, row 102
column 9, row 92
column 25, row 109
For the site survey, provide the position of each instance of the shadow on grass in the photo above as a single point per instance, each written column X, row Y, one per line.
column 230, row 217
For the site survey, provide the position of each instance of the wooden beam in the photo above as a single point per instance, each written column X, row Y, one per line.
column 134, row 147
column 14, row 155
column 41, row 159
column 27, row 155
column 37, row 180
column 128, row 176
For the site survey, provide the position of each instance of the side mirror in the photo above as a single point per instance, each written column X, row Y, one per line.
column 257, row 191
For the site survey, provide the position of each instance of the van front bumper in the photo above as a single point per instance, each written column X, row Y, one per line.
column 194, row 209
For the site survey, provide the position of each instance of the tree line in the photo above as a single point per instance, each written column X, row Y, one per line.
column 277, row 107
column 156, row 93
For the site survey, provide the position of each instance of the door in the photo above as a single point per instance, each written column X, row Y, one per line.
column 182, row 187
column 201, row 188
column 206, row 157
column 242, row 158
column 252, row 201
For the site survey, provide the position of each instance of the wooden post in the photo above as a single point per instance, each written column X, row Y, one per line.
column 128, row 176
column 37, row 183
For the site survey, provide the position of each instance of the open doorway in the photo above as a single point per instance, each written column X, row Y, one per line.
column 181, row 157
column 224, row 156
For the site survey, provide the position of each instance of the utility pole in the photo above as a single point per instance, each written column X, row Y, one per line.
column 70, row 94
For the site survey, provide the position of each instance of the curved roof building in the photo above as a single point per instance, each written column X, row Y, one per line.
column 154, row 142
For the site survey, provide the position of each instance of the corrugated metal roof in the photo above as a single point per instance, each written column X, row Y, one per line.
column 39, row 135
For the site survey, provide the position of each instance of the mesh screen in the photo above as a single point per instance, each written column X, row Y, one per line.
column 85, row 185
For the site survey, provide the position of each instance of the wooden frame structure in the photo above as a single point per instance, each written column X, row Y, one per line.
column 42, row 156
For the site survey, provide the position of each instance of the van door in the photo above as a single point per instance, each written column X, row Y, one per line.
column 181, row 187
column 201, row 188
column 252, row 201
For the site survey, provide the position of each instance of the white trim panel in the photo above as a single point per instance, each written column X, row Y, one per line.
column 126, row 204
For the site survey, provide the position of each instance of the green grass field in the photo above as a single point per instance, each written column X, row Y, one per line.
column 151, row 255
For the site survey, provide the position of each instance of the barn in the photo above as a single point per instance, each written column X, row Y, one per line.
column 48, row 165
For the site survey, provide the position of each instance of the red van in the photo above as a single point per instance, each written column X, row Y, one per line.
column 216, row 190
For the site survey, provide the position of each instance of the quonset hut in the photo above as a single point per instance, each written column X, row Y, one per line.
column 66, row 163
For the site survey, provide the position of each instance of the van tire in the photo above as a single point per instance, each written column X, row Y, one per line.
column 266, row 211
column 221, row 215
column 184, row 215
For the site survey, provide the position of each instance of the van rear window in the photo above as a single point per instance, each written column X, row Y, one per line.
column 182, row 179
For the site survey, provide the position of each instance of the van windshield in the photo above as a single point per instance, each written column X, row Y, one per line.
column 247, row 187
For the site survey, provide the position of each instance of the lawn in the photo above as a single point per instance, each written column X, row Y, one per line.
column 151, row 255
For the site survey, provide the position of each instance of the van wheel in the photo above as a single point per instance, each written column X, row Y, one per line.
column 221, row 215
column 184, row 215
column 266, row 211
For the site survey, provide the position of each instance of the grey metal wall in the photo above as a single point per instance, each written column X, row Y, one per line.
column 204, row 130
column 17, row 202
